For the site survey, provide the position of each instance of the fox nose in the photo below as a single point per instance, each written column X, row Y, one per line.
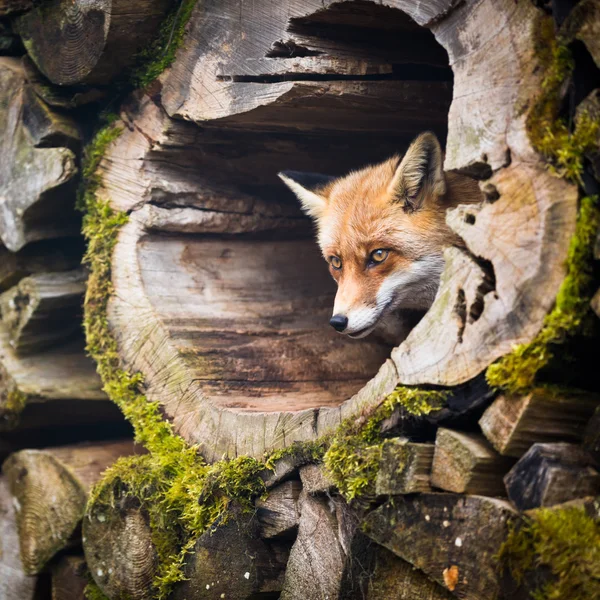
column 339, row 322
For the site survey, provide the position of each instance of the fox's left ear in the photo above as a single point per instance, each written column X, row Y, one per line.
column 310, row 189
column 420, row 173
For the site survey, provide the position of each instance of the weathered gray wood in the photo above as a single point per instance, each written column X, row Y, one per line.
column 119, row 551
column 50, row 487
column 405, row 467
column 62, row 373
column 452, row 538
column 465, row 463
column 36, row 174
column 315, row 480
column 38, row 257
column 321, row 553
column 69, row 578
column 14, row 583
column 88, row 42
column 549, row 474
column 43, row 310
column 278, row 514
column 513, row 423
column 232, row 560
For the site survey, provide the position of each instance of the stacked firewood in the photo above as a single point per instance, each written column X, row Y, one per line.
column 229, row 335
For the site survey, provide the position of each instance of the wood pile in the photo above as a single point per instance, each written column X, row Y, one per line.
column 216, row 303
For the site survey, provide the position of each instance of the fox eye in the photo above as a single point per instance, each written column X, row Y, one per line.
column 378, row 256
column 335, row 262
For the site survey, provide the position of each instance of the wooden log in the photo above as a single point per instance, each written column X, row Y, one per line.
column 391, row 578
column 315, row 480
column 88, row 42
column 405, row 467
column 43, row 310
column 119, row 550
column 321, row 554
column 63, row 376
column 37, row 173
column 278, row 513
column 549, row 474
column 583, row 24
column 50, row 488
column 591, row 107
column 453, row 539
column 15, row 584
column 231, row 561
column 69, row 578
column 596, row 303
column 8, row 7
column 465, row 463
column 513, row 423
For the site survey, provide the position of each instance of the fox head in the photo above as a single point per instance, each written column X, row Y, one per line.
column 383, row 231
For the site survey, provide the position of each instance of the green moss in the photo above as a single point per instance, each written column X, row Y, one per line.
column 354, row 453
column 12, row 407
column 566, row 541
column 516, row 372
column 160, row 54
column 93, row 592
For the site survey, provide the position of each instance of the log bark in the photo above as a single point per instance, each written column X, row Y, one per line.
column 62, row 377
column 15, row 584
column 265, row 102
column 405, row 468
column 69, row 578
column 43, row 310
column 119, row 550
column 38, row 169
column 278, row 513
column 451, row 538
column 550, row 474
column 88, row 42
column 512, row 424
column 466, row 464
column 50, row 487
column 233, row 560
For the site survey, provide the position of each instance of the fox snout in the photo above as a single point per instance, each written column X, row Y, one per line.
column 355, row 322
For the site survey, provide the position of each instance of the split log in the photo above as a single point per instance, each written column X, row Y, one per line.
column 321, row 555
column 315, row 480
column 465, row 463
column 50, row 488
column 453, row 539
column 513, row 423
column 262, row 320
column 69, row 578
column 88, row 42
column 278, row 513
column 43, row 310
column 391, row 578
column 14, row 583
column 56, row 387
column 550, row 474
column 231, row 561
column 119, row 550
column 405, row 467
column 38, row 168
column 38, row 257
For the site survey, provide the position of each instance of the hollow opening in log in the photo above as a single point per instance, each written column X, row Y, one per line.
column 243, row 291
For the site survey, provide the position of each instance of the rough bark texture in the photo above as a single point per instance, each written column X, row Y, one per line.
column 405, row 467
column 315, row 480
column 451, row 538
column 550, row 474
column 88, row 42
column 265, row 103
column 50, row 488
column 38, row 166
column 513, row 423
column 43, row 310
column 278, row 513
column 466, row 464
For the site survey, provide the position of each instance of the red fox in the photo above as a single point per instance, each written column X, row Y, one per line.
column 383, row 231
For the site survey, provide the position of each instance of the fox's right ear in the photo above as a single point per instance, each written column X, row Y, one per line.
column 310, row 188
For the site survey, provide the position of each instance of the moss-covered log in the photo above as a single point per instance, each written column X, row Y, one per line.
column 88, row 42
column 50, row 489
